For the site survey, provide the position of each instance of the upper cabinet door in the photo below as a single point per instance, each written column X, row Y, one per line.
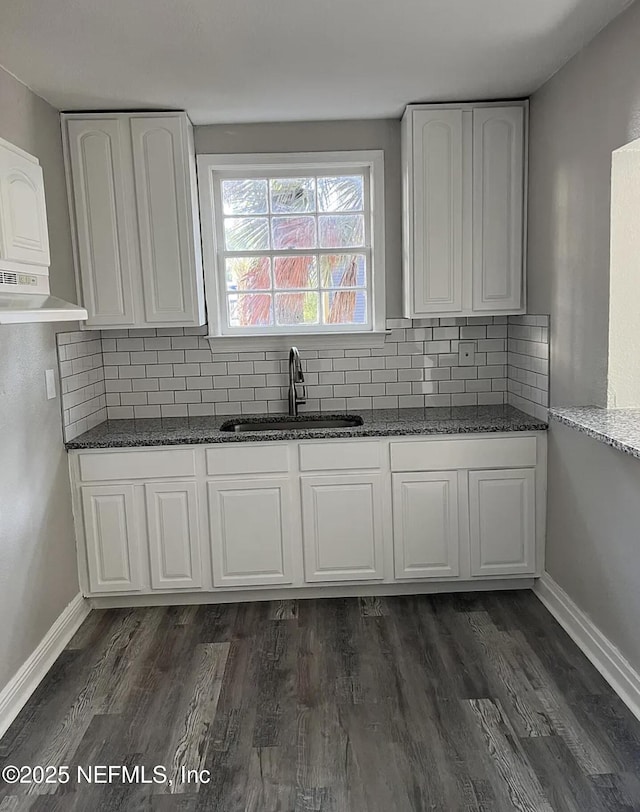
column 23, row 217
column 498, row 179
column 161, row 166
column 96, row 153
column 437, row 204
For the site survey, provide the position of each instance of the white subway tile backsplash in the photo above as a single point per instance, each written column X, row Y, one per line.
column 172, row 383
column 171, row 357
column 379, row 363
column 527, row 380
column 83, row 398
column 159, row 398
column 146, row 411
column 372, row 389
column 333, row 404
column 385, row 402
column 188, row 396
column 466, row 399
column 361, row 376
column 173, row 372
column 445, row 387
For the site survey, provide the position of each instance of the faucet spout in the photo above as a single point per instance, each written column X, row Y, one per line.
column 295, row 377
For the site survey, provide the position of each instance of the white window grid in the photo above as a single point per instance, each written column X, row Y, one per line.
column 214, row 169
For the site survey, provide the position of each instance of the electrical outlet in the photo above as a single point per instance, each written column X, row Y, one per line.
column 466, row 353
column 50, row 382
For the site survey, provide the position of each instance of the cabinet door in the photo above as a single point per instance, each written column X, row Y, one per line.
column 111, row 535
column 502, row 517
column 251, row 533
column 23, row 218
column 165, row 219
column 498, row 179
column 425, row 525
column 342, row 519
column 437, row 211
column 104, row 219
column 174, row 535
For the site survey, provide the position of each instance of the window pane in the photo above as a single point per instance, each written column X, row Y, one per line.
column 249, row 310
column 244, row 196
column 343, row 271
column 294, row 232
column 341, row 230
column 248, row 273
column 246, row 233
column 345, row 193
column 295, row 272
column 297, row 308
column 345, row 307
column 291, row 195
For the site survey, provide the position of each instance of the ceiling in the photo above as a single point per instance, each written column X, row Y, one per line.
column 232, row 61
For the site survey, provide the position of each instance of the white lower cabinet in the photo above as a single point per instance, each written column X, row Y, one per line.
column 426, row 541
column 284, row 514
column 112, row 538
column 502, row 522
column 174, row 535
column 342, row 527
column 251, row 533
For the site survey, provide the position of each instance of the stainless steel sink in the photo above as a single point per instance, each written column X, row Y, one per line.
column 293, row 423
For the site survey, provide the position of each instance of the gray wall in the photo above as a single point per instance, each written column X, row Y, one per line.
column 590, row 108
column 37, row 550
column 312, row 136
column 594, row 522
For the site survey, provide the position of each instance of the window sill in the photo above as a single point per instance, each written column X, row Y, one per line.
column 312, row 341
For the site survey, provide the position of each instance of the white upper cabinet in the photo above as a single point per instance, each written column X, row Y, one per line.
column 463, row 207
column 97, row 168
column 498, row 191
column 132, row 190
column 24, row 238
column 167, row 252
column 437, row 211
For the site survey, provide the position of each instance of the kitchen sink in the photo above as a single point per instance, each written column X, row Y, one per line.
column 293, row 423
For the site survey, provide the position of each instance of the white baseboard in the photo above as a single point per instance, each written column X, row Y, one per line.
column 17, row 692
column 609, row 661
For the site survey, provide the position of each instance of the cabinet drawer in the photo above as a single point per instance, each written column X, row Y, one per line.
column 248, row 459
column 444, row 455
column 339, row 456
column 106, row 465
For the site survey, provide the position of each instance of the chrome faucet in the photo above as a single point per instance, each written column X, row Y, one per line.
column 295, row 377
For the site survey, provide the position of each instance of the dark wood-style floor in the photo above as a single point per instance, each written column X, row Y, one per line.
column 474, row 702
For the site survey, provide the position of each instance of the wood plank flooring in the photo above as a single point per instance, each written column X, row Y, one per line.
column 449, row 702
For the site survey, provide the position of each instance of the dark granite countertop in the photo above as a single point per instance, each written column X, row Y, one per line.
column 377, row 423
column 619, row 428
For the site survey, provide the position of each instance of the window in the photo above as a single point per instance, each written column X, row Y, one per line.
column 293, row 243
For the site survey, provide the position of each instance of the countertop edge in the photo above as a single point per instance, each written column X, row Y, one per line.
column 580, row 423
column 219, row 438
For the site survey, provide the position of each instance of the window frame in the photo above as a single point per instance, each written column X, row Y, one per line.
column 212, row 168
